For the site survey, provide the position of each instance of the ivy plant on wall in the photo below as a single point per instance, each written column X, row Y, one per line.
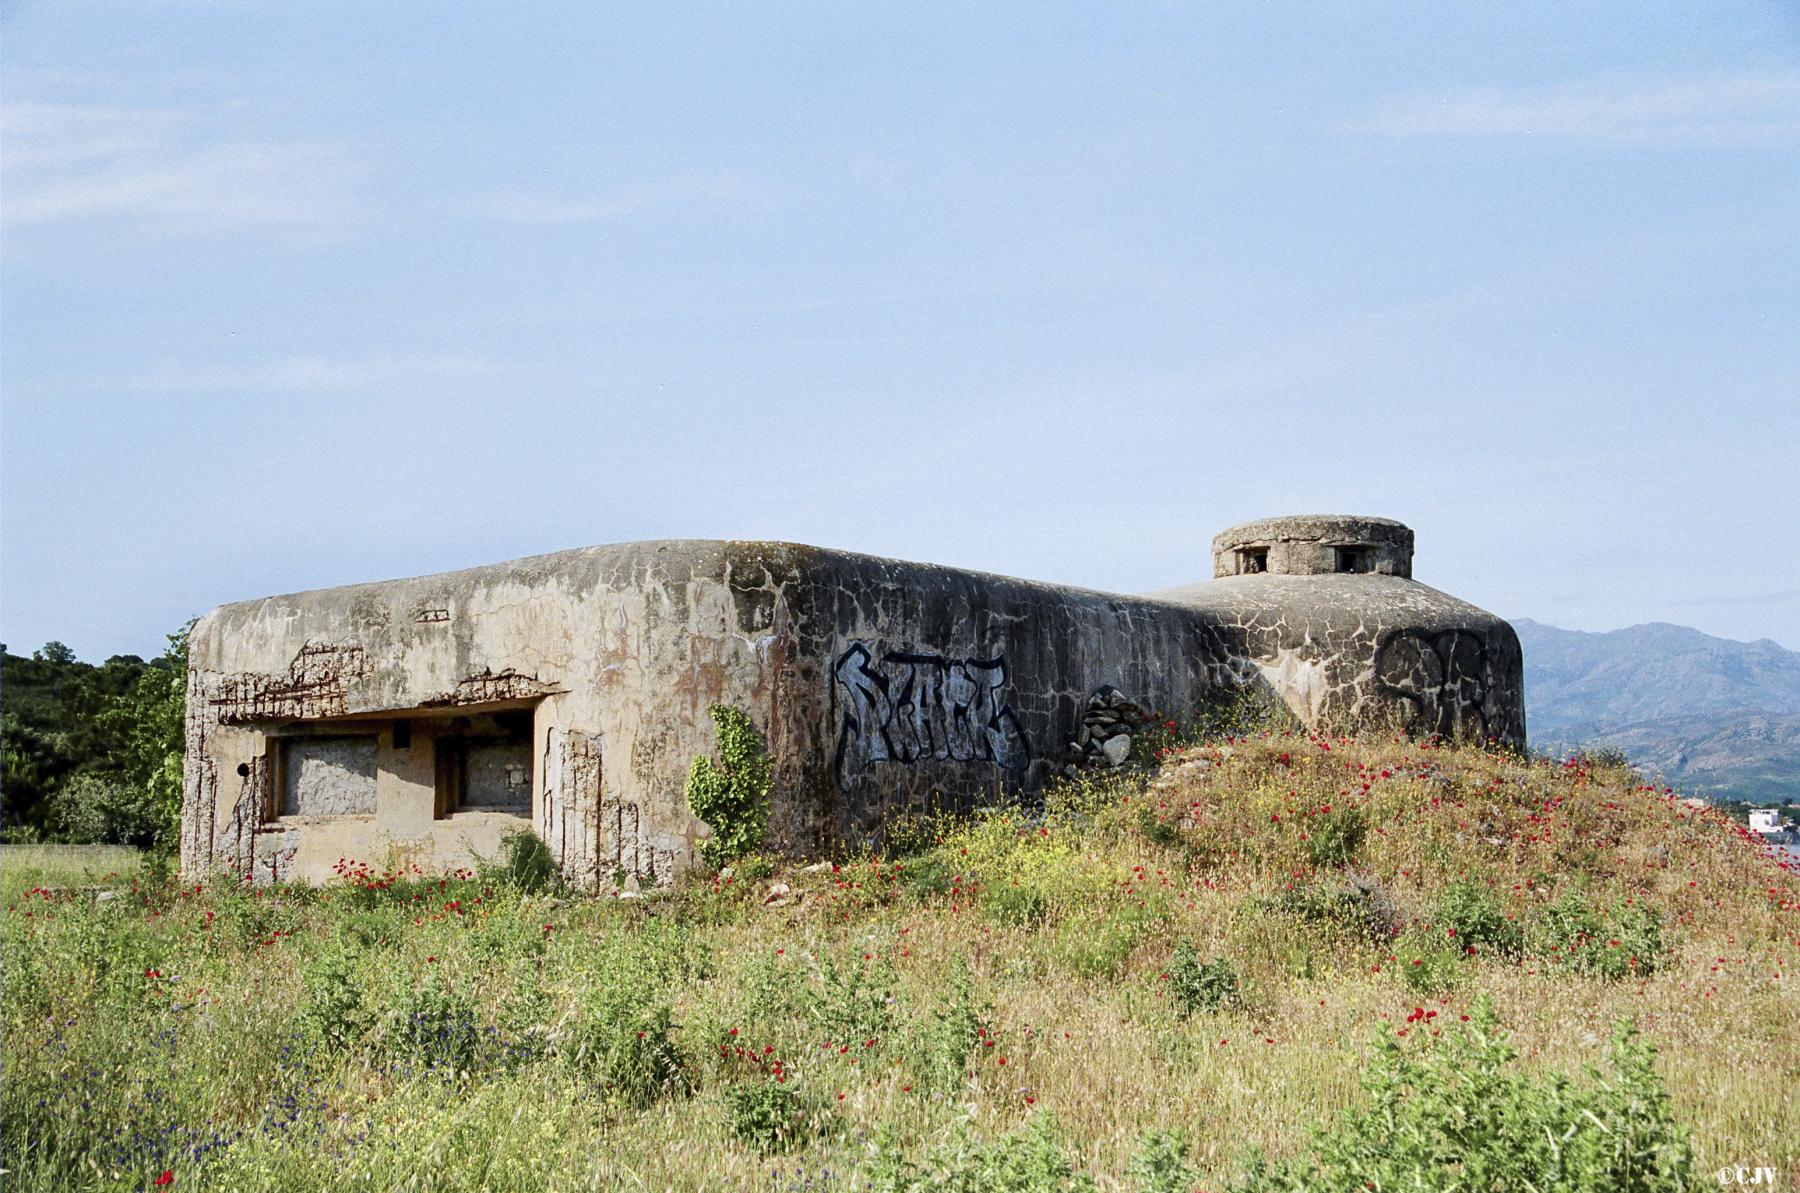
column 731, row 794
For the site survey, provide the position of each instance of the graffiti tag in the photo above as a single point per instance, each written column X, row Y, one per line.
column 912, row 707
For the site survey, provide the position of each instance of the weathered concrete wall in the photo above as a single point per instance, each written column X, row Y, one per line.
column 618, row 650
column 879, row 685
column 1349, row 651
column 906, row 686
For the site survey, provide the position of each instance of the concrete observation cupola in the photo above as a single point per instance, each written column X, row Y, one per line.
column 1314, row 545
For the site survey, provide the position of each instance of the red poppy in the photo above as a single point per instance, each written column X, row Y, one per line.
column 167, row 1178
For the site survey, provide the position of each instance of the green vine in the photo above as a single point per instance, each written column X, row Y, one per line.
column 731, row 795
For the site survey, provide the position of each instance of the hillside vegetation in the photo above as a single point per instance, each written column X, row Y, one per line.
column 1274, row 962
column 1716, row 717
column 92, row 754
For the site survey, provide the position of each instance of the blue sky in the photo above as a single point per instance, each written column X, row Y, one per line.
column 302, row 295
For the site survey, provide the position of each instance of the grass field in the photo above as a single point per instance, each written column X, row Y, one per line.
column 1224, row 949
column 33, row 865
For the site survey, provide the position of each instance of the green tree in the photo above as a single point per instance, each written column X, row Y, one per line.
column 146, row 733
column 91, row 752
column 54, row 653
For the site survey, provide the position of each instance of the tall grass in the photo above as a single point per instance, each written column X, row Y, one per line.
column 1138, row 986
column 54, row 865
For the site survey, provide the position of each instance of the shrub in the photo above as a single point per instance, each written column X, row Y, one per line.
column 332, row 1009
column 1625, row 941
column 1427, row 964
column 770, row 1116
column 161, row 868
column 245, row 916
column 1457, row 1116
column 1097, row 943
column 753, row 867
column 1022, row 870
column 1333, row 838
column 27, row 984
column 1016, row 903
column 927, row 876
column 731, row 795
column 1161, row 1166
column 523, row 1015
column 856, row 999
column 1194, row 986
column 507, row 934
column 766, row 995
column 104, row 807
column 951, row 1031
column 621, row 1040
column 368, row 929
column 1470, row 919
column 525, row 864
column 1603, row 757
column 1159, row 830
column 912, row 832
column 1029, row 1160
column 1359, row 906
column 433, row 1024
column 1636, row 946
column 630, row 1053
column 1089, row 796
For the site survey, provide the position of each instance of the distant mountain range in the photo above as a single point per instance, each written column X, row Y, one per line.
column 1712, row 716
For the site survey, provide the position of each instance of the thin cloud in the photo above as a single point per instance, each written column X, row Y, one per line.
column 1737, row 110
column 166, row 168
column 1787, row 597
column 523, row 206
column 385, row 374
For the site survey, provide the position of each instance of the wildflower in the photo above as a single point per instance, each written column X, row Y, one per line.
column 167, row 1178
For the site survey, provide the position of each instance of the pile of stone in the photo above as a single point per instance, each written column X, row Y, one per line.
column 1104, row 740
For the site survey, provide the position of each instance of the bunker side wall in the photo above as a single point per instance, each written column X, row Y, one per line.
column 908, row 686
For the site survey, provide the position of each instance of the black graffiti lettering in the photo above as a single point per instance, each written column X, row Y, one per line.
column 910, row 706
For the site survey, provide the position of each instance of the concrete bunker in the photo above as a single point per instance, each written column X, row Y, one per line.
column 417, row 722
column 1314, row 545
